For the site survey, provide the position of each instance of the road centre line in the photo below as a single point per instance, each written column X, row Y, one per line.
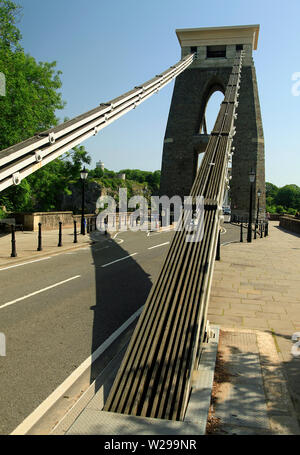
column 118, row 260
column 38, row 292
column 156, row 246
column 24, row 263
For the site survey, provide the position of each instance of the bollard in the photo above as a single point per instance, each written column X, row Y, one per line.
column 39, row 248
column 261, row 230
column 255, row 229
column 87, row 225
column 13, row 242
column 75, row 232
column 60, row 234
column 267, row 229
column 241, row 237
column 218, row 253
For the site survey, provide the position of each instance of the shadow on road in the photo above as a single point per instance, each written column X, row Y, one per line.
column 121, row 290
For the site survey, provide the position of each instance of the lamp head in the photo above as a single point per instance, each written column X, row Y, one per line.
column 251, row 176
column 83, row 174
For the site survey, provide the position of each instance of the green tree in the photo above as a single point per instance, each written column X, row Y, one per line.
column 75, row 160
column 9, row 34
column 96, row 173
column 289, row 197
column 17, row 198
column 271, row 190
column 32, row 95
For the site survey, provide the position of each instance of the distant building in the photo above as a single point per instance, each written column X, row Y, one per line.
column 100, row 164
column 121, row 176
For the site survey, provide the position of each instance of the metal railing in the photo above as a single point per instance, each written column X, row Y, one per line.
column 154, row 379
column 21, row 160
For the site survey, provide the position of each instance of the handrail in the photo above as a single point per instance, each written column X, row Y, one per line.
column 24, row 158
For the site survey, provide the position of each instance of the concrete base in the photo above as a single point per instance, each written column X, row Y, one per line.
column 94, row 421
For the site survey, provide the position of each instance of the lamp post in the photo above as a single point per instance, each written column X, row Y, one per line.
column 258, row 197
column 257, row 213
column 251, row 178
column 83, row 176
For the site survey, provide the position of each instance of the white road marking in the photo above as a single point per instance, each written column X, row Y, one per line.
column 47, row 404
column 38, row 292
column 157, row 246
column 118, row 260
column 24, row 263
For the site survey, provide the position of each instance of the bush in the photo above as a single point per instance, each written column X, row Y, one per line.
column 2, row 213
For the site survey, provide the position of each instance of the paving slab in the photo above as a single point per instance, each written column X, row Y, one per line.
column 252, row 396
column 270, row 266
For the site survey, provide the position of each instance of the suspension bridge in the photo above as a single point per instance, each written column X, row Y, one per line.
column 154, row 379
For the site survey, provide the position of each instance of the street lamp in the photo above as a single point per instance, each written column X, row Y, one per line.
column 252, row 179
column 83, row 176
column 257, row 214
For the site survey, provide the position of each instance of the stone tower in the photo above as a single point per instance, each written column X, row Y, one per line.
column 186, row 135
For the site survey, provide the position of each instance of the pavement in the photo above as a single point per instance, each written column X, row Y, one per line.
column 255, row 301
column 27, row 243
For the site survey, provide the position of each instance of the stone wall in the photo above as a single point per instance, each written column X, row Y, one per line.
column 192, row 91
column 49, row 220
column 290, row 224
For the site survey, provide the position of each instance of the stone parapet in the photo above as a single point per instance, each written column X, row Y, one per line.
column 290, row 223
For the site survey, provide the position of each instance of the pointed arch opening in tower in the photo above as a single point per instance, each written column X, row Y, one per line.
column 210, row 116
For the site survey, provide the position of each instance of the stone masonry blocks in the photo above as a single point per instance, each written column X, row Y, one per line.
column 192, row 91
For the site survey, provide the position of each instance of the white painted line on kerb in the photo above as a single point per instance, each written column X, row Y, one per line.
column 38, row 292
column 118, row 260
column 41, row 410
column 24, row 263
column 156, row 246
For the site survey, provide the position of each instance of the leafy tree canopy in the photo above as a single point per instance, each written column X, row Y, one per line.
column 271, row 190
column 32, row 95
column 10, row 35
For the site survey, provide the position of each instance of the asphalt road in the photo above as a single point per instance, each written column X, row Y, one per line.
column 56, row 312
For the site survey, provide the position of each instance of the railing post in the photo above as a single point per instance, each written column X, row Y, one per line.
column 13, row 242
column 39, row 248
column 241, row 236
column 60, row 234
column 218, row 253
column 75, row 232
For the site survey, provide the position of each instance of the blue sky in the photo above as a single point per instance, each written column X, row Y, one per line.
column 105, row 48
